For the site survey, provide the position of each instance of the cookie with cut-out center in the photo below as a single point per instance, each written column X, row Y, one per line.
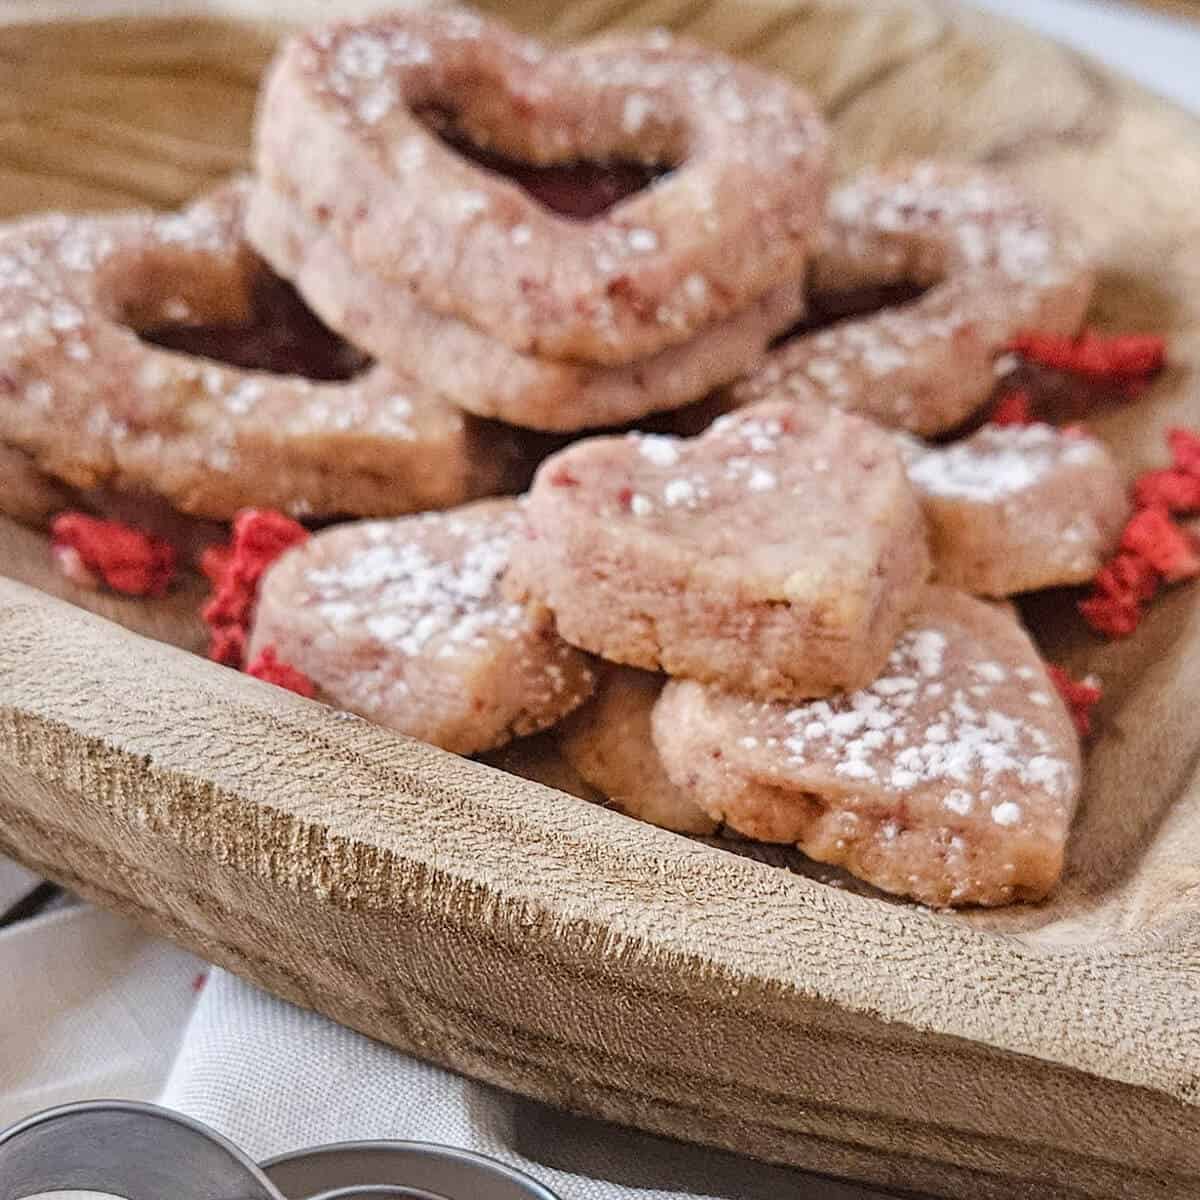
column 778, row 553
column 404, row 622
column 345, row 125
column 483, row 375
column 608, row 743
column 952, row 778
column 90, row 402
column 1015, row 508
column 993, row 263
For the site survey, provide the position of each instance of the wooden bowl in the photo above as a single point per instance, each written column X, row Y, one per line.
column 553, row 947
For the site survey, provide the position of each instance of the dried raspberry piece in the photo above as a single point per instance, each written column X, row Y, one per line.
column 1154, row 549
column 227, row 645
column 1152, row 535
column 1079, row 695
column 214, row 563
column 129, row 560
column 1090, row 353
column 1113, row 616
column 1129, row 577
column 1171, row 490
column 260, row 536
column 1185, row 450
column 1014, row 408
column 272, row 670
column 230, row 603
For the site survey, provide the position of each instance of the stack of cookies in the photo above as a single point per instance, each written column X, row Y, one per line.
column 732, row 632
column 483, row 294
column 814, row 689
column 739, row 632
column 464, row 293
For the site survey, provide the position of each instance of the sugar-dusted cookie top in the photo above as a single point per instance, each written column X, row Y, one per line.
column 345, row 126
column 777, row 553
column 952, row 778
column 92, row 403
column 404, row 622
column 1015, row 508
column 991, row 262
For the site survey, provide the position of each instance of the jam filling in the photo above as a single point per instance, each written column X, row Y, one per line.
column 828, row 308
column 283, row 336
column 580, row 190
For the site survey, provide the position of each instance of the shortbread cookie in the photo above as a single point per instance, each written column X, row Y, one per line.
column 608, row 743
column 27, row 494
column 485, row 376
column 778, row 553
column 951, row 779
column 1015, row 508
column 994, row 264
column 341, row 127
column 96, row 406
column 403, row 622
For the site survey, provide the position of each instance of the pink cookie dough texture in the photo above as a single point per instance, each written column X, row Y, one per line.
column 608, row 743
column 951, row 779
column 993, row 263
column 1017, row 508
column 403, row 622
column 779, row 553
column 340, row 126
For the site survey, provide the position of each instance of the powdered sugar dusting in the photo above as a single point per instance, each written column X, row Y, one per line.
column 736, row 127
column 406, row 621
column 662, row 451
column 991, row 260
column 939, row 718
column 415, row 594
column 988, row 223
column 996, row 462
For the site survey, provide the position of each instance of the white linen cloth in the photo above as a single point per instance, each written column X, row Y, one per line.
column 273, row 1078
column 91, row 1007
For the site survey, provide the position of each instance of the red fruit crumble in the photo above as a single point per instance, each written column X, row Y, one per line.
column 89, row 551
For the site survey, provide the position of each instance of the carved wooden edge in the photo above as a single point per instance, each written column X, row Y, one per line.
column 264, row 830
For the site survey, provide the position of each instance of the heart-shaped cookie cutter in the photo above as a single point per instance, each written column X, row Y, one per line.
column 143, row 1152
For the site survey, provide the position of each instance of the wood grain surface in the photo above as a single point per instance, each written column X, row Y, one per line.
column 554, row 947
column 1188, row 9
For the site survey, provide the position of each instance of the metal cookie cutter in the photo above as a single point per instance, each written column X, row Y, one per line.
column 142, row 1152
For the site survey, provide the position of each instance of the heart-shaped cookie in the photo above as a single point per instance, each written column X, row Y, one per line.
column 404, row 622
column 90, row 402
column 1018, row 508
column 952, row 778
column 779, row 553
column 345, row 126
column 992, row 263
